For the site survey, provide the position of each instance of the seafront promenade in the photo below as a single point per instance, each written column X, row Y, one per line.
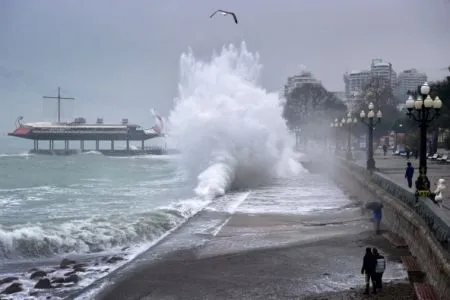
column 394, row 168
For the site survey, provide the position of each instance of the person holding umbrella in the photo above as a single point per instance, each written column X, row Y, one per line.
column 376, row 208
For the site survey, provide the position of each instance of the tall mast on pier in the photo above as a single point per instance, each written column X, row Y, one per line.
column 59, row 102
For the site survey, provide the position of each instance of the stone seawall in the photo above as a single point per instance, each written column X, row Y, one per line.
column 426, row 234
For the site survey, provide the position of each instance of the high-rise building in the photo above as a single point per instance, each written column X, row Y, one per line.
column 408, row 80
column 355, row 81
column 384, row 70
column 298, row 80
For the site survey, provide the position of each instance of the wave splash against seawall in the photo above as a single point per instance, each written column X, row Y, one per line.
column 231, row 135
column 229, row 129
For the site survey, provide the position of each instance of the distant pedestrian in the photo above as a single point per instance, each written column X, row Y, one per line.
column 368, row 268
column 385, row 149
column 380, row 266
column 409, row 174
column 377, row 215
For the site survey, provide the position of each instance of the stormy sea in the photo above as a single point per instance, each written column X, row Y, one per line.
column 102, row 212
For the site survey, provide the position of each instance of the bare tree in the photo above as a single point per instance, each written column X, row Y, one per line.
column 309, row 101
column 378, row 90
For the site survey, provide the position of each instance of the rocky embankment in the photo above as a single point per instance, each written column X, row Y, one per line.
column 55, row 279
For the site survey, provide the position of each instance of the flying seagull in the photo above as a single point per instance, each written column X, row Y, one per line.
column 224, row 13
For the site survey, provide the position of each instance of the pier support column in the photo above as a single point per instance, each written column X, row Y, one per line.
column 51, row 145
column 97, row 145
column 143, row 145
column 66, row 145
column 128, row 145
column 36, row 145
column 112, row 145
column 82, row 145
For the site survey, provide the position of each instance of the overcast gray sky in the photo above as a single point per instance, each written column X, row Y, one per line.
column 120, row 58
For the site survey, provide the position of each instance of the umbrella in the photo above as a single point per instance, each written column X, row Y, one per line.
column 374, row 205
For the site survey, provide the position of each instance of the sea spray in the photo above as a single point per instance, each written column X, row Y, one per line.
column 229, row 129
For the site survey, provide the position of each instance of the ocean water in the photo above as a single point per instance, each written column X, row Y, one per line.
column 235, row 157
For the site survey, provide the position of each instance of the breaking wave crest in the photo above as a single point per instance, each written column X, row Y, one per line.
column 229, row 129
column 92, row 235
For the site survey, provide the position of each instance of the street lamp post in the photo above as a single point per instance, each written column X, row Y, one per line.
column 399, row 126
column 370, row 122
column 336, row 124
column 297, row 131
column 421, row 111
column 349, row 121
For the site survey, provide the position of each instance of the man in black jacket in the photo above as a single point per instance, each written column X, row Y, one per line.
column 368, row 268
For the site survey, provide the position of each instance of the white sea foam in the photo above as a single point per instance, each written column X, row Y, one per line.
column 23, row 154
column 229, row 129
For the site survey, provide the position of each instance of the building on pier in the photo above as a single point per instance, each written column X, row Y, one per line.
column 80, row 131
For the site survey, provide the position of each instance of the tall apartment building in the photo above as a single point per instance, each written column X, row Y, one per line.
column 356, row 80
column 381, row 69
column 408, row 80
column 298, row 80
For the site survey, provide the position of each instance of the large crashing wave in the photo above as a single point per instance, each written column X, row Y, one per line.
column 228, row 128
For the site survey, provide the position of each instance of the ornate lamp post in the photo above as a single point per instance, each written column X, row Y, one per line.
column 336, row 124
column 349, row 121
column 421, row 111
column 370, row 122
column 297, row 131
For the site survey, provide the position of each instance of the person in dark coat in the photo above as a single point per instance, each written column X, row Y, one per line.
column 368, row 268
column 409, row 173
column 380, row 266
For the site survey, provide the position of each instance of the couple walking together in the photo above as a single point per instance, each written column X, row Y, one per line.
column 373, row 267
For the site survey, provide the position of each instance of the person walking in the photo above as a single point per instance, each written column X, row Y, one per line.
column 409, row 174
column 380, row 266
column 377, row 215
column 368, row 268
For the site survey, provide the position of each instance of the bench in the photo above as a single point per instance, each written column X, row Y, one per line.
column 415, row 273
column 425, row 291
column 395, row 240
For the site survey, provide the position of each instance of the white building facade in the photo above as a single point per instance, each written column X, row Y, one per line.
column 408, row 80
column 297, row 80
